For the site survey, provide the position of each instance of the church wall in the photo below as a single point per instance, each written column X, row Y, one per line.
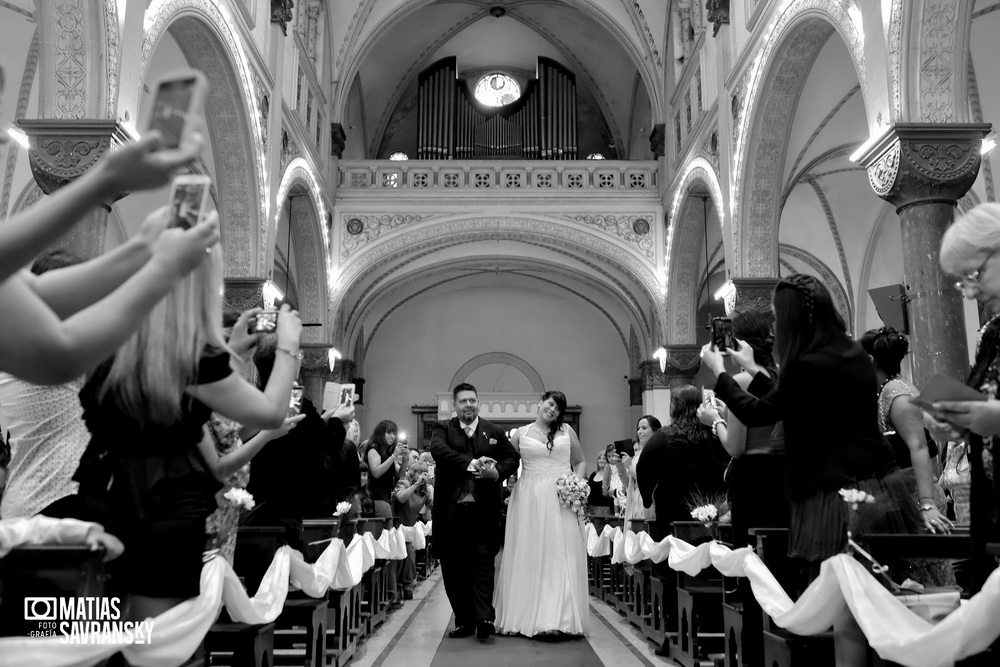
column 420, row 347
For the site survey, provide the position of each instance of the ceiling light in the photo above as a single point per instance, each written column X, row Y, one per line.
column 331, row 356
column 661, row 355
column 18, row 135
column 271, row 294
column 989, row 143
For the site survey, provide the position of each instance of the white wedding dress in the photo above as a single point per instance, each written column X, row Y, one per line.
column 543, row 575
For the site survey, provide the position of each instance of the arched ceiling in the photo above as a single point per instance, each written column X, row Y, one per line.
column 609, row 46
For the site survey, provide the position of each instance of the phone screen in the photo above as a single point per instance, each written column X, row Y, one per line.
column 708, row 396
column 722, row 333
column 347, row 395
column 186, row 203
column 265, row 322
column 295, row 401
column 170, row 109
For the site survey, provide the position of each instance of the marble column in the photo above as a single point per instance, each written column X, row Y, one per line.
column 923, row 169
column 682, row 365
column 315, row 372
column 63, row 150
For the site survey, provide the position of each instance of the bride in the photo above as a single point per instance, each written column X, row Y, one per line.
column 543, row 576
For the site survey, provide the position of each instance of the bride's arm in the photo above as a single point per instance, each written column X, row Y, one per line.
column 576, row 460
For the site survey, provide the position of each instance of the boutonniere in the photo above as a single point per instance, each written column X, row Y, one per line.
column 493, row 441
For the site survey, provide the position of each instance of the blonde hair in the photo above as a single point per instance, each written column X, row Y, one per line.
column 973, row 234
column 152, row 370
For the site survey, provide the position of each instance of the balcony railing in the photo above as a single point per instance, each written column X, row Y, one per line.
column 479, row 177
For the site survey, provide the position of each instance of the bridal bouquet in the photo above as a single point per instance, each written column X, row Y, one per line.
column 572, row 492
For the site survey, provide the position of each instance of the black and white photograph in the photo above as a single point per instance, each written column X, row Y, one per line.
column 514, row 333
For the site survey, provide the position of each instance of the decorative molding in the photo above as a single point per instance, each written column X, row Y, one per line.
column 895, row 52
column 753, row 292
column 939, row 61
column 62, row 150
column 70, row 23
column 316, row 359
column 243, row 294
column 622, row 226
column 263, row 106
column 24, row 94
column 374, row 226
column 682, row 364
column 915, row 163
column 640, row 18
column 113, row 42
column 289, row 149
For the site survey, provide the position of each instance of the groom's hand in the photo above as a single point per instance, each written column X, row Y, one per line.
column 485, row 472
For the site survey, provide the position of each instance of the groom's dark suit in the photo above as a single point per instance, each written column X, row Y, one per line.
column 466, row 534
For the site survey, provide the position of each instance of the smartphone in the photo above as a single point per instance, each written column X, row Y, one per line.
column 265, row 322
column 722, row 333
column 708, row 397
column 347, row 394
column 430, row 470
column 295, row 401
column 189, row 200
column 177, row 95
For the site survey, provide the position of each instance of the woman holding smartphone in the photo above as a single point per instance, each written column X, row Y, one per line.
column 146, row 409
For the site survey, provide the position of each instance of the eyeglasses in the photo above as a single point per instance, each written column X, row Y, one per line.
column 972, row 279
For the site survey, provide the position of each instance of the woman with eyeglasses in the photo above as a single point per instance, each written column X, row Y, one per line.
column 969, row 250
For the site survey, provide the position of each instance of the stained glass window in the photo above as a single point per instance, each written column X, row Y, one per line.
column 497, row 89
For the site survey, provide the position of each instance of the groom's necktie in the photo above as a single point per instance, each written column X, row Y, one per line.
column 468, row 494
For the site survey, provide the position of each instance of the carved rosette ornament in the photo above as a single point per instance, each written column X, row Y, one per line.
column 62, row 150
column 915, row 163
column 718, row 14
column 243, row 294
column 753, row 292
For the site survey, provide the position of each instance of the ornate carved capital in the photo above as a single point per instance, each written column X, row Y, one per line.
column 718, row 14
column 62, row 150
column 914, row 163
column 657, row 140
column 315, row 359
column 683, row 362
column 243, row 293
column 753, row 292
column 338, row 140
column 281, row 13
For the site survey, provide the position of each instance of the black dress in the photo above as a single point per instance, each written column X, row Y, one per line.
column 597, row 497
column 161, row 491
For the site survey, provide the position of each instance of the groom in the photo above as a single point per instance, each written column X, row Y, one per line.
column 467, row 509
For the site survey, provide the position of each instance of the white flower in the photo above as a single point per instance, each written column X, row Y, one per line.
column 238, row 497
column 855, row 496
column 705, row 513
column 343, row 507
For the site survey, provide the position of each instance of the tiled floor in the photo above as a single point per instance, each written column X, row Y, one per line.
column 413, row 633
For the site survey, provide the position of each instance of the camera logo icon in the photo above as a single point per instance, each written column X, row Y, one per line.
column 40, row 609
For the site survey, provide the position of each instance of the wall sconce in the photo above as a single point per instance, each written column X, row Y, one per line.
column 331, row 356
column 989, row 143
column 661, row 356
column 271, row 294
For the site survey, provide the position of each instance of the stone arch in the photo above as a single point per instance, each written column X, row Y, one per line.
column 500, row 358
column 774, row 85
column 683, row 239
column 571, row 241
column 208, row 44
column 311, row 243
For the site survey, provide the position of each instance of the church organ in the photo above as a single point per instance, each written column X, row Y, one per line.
column 453, row 124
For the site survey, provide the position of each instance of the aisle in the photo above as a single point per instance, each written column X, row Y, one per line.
column 415, row 636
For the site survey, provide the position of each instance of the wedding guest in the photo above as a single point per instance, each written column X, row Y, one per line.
column 956, row 479
column 969, row 250
column 681, row 462
column 363, row 501
column 146, row 408
column 387, row 460
column 826, row 397
column 756, row 475
column 635, row 509
column 410, row 497
column 612, row 486
column 598, row 503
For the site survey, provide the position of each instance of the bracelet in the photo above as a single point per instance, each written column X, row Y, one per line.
column 293, row 355
column 715, row 426
column 926, row 507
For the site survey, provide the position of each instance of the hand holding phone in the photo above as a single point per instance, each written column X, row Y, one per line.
column 708, row 397
column 177, row 95
column 295, row 399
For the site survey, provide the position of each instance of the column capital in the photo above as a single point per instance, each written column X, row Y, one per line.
column 718, row 14
column 682, row 365
column 243, row 294
column 753, row 292
column 916, row 163
column 63, row 149
column 316, row 359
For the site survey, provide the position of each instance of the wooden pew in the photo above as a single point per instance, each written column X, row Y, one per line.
column 640, row 583
column 699, row 605
column 782, row 648
column 375, row 599
column 742, row 617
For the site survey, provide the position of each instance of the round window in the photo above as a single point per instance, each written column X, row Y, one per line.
column 497, row 89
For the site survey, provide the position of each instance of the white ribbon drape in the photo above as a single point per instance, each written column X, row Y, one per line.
column 894, row 631
column 179, row 631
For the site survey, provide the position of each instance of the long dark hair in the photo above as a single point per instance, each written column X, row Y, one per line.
column 684, row 402
column 887, row 347
column 378, row 438
column 752, row 326
column 654, row 425
column 560, row 400
column 804, row 318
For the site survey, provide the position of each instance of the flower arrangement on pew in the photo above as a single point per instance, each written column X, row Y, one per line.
column 238, row 497
column 573, row 491
column 710, row 511
column 343, row 508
